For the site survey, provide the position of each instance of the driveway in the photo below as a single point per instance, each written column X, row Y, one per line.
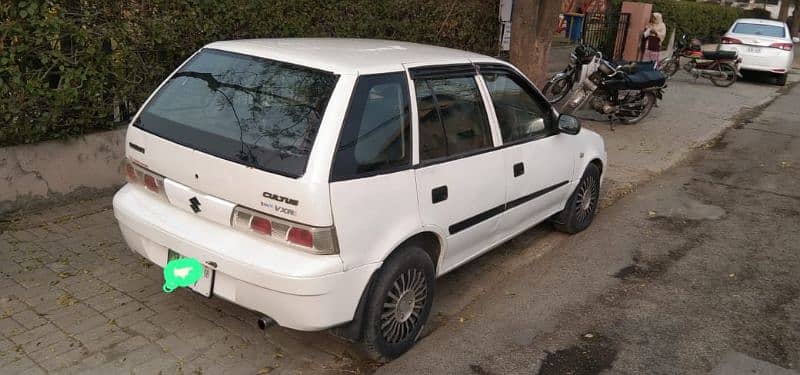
column 76, row 300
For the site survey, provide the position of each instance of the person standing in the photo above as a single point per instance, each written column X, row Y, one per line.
column 654, row 34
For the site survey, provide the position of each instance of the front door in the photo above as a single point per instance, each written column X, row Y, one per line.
column 538, row 161
column 460, row 182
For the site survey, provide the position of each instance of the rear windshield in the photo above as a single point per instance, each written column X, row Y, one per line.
column 257, row 112
column 757, row 29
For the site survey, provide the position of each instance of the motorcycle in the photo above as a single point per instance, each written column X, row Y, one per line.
column 558, row 86
column 721, row 67
column 627, row 93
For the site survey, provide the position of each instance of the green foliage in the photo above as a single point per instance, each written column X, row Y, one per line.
column 72, row 66
column 705, row 21
column 757, row 13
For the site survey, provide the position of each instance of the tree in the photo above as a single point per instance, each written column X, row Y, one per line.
column 796, row 18
column 533, row 23
column 783, row 14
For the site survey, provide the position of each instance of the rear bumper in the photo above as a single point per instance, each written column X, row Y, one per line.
column 298, row 290
column 771, row 60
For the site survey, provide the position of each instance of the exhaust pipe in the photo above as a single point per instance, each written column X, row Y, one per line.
column 709, row 73
column 265, row 322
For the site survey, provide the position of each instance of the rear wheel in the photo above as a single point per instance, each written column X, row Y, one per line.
column 582, row 204
column 730, row 71
column 635, row 112
column 556, row 90
column 781, row 79
column 398, row 304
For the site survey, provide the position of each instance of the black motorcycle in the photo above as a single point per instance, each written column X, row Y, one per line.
column 558, row 86
column 624, row 92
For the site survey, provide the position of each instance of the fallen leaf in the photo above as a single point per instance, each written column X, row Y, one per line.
column 265, row 370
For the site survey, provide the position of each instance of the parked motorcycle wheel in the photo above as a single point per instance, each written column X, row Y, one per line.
column 725, row 82
column 557, row 89
column 647, row 102
column 669, row 67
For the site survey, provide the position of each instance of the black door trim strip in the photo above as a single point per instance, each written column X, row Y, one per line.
column 532, row 196
column 486, row 215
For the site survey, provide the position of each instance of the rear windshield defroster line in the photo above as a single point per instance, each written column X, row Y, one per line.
column 253, row 111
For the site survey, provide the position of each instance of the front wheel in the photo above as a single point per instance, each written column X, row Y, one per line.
column 730, row 73
column 635, row 112
column 582, row 204
column 398, row 304
column 557, row 89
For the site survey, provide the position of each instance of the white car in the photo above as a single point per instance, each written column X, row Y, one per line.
column 327, row 182
column 763, row 45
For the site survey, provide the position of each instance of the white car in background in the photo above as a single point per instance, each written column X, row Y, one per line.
column 763, row 45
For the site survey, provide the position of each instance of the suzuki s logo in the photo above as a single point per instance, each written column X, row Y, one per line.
column 194, row 203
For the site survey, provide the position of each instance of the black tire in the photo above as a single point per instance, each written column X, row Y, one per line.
column 581, row 206
column 728, row 69
column 556, row 90
column 781, row 79
column 669, row 68
column 407, row 277
column 649, row 101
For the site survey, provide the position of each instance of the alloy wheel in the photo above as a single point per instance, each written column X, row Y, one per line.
column 403, row 305
column 586, row 202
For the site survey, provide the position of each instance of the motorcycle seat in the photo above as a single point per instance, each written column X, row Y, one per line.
column 719, row 55
column 641, row 80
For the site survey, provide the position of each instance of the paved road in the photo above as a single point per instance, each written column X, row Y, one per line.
column 75, row 299
column 695, row 272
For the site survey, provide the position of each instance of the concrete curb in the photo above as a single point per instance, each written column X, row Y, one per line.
column 38, row 175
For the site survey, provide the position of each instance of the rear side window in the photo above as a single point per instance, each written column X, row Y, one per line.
column 519, row 114
column 758, row 29
column 452, row 117
column 376, row 135
column 253, row 111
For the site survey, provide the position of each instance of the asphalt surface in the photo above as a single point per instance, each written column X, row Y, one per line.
column 697, row 271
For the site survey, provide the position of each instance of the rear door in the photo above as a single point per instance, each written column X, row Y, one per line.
column 373, row 194
column 538, row 160
column 459, row 177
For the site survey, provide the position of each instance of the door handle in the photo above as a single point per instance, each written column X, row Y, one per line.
column 519, row 169
column 439, row 194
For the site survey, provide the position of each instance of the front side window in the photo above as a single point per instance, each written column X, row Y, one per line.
column 452, row 117
column 519, row 115
column 761, row 30
column 376, row 135
column 257, row 112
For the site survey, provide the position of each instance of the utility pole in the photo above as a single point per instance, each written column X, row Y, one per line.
column 533, row 23
column 783, row 13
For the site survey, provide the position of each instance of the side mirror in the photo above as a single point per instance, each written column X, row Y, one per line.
column 795, row 40
column 569, row 124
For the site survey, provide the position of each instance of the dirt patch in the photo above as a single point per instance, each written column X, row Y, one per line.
column 658, row 266
column 591, row 356
column 720, row 174
column 673, row 224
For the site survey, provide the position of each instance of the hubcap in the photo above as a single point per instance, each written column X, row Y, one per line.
column 403, row 305
column 587, row 199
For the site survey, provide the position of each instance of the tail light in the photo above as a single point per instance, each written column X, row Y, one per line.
column 138, row 175
column 783, row 46
column 727, row 40
column 314, row 240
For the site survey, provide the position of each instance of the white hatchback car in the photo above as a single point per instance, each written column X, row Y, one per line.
column 327, row 182
column 763, row 45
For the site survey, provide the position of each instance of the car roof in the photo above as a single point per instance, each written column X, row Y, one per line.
column 349, row 56
column 760, row 21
